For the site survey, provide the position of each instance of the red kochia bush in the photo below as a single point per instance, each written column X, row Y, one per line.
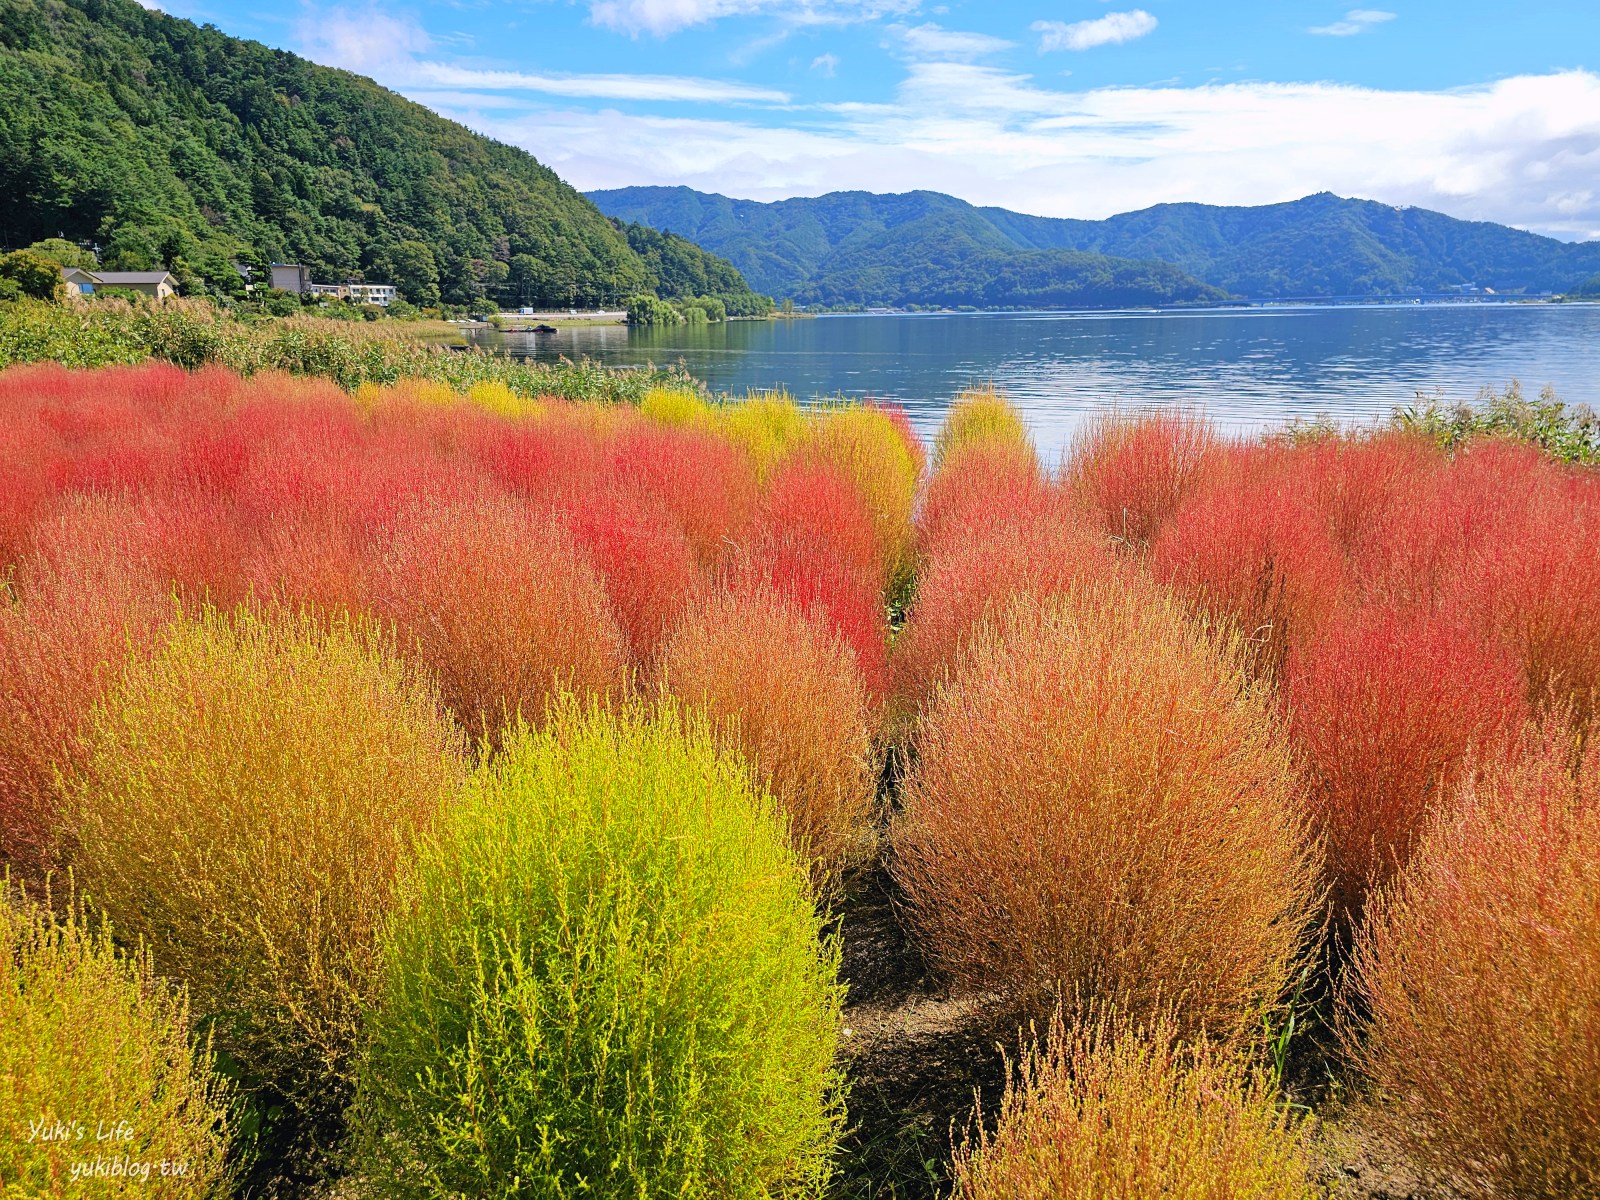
column 1104, row 811
column 814, row 502
column 1478, row 972
column 1130, row 471
column 1536, row 588
column 704, row 481
column 978, row 573
column 61, row 645
column 979, row 485
column 1253, row 551
column 642, row 555
column 502, row 605
column 1386, row 707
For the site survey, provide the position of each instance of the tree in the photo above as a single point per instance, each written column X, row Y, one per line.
column 65, row 253
column 413, row 269
column 33, row 274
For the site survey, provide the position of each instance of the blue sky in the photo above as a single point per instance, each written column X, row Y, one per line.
column 1063, row 107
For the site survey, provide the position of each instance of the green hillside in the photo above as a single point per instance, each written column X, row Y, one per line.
column 855, row 242
column 172, row 144
column 922, row 248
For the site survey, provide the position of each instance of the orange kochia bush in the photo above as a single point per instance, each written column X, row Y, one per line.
column 1473, row 1006
column 783, row 687
column 499, row 601
column 1103, row 809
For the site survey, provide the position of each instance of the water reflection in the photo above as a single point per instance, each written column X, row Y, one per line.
column 1248, row 368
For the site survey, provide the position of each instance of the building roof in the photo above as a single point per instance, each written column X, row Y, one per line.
column 116, row 277
column 79, row 275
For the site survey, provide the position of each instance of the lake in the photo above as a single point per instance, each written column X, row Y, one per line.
column 1248, row 368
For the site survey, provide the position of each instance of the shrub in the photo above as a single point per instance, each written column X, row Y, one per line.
column 704, row 482
column 96, row 1043
column 1479, row 973
column 812, row 503
column 247, row 795
column 806, row 569
column 606, row 978
column 644, row 558
column 766, row 426
column 1386, row 706
column 1103, row 807
column 866, row 447
column 501, row 605
column 1108, row 1109
column 1536, row 588
column 785, row 692
column 60, row 645
column 1132, row 471
column 980, row 488
column 980, row 416
column 1254, row 553
column 977, row 574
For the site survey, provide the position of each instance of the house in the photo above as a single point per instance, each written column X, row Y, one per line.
column 158, row 284
column 382, row 294
column 291, row 277
column 79, row 282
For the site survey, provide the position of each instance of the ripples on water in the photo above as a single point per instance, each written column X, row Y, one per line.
column 1249, row 369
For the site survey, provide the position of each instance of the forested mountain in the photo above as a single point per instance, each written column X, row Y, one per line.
column 173, row 144
column 919, row 248
column 1319, row 246
column 675, row 266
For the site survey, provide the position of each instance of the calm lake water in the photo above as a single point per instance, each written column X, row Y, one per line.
column 1248, row 369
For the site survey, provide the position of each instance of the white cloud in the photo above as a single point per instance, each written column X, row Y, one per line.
column 1357, row 20
column 1111, row 29
column 1524, row 150
column 685, row 88
column 661, row 17
column 388, row 48
column 827, row 64
column 931, row 41
column 365, row 39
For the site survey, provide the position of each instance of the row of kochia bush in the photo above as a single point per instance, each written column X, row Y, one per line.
column 482, row 771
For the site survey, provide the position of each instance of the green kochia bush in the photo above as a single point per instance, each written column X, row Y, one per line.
column 92, row 1042
column 606, row 978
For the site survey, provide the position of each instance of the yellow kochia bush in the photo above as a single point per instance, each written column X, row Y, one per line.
column 92, row 1042
column 247, row 796
column 1105, row 810
column 1108, row 1109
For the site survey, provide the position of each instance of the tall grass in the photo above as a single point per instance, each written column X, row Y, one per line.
column 1474, row 1006
column 104, row 1094
column 247, row 796
column 1103, row 808
column 1108, row 1108
column 606, row 977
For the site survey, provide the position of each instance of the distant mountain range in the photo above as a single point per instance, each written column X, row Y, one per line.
column 926, row 247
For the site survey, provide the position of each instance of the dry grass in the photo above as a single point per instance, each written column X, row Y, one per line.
column 1104, row 807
